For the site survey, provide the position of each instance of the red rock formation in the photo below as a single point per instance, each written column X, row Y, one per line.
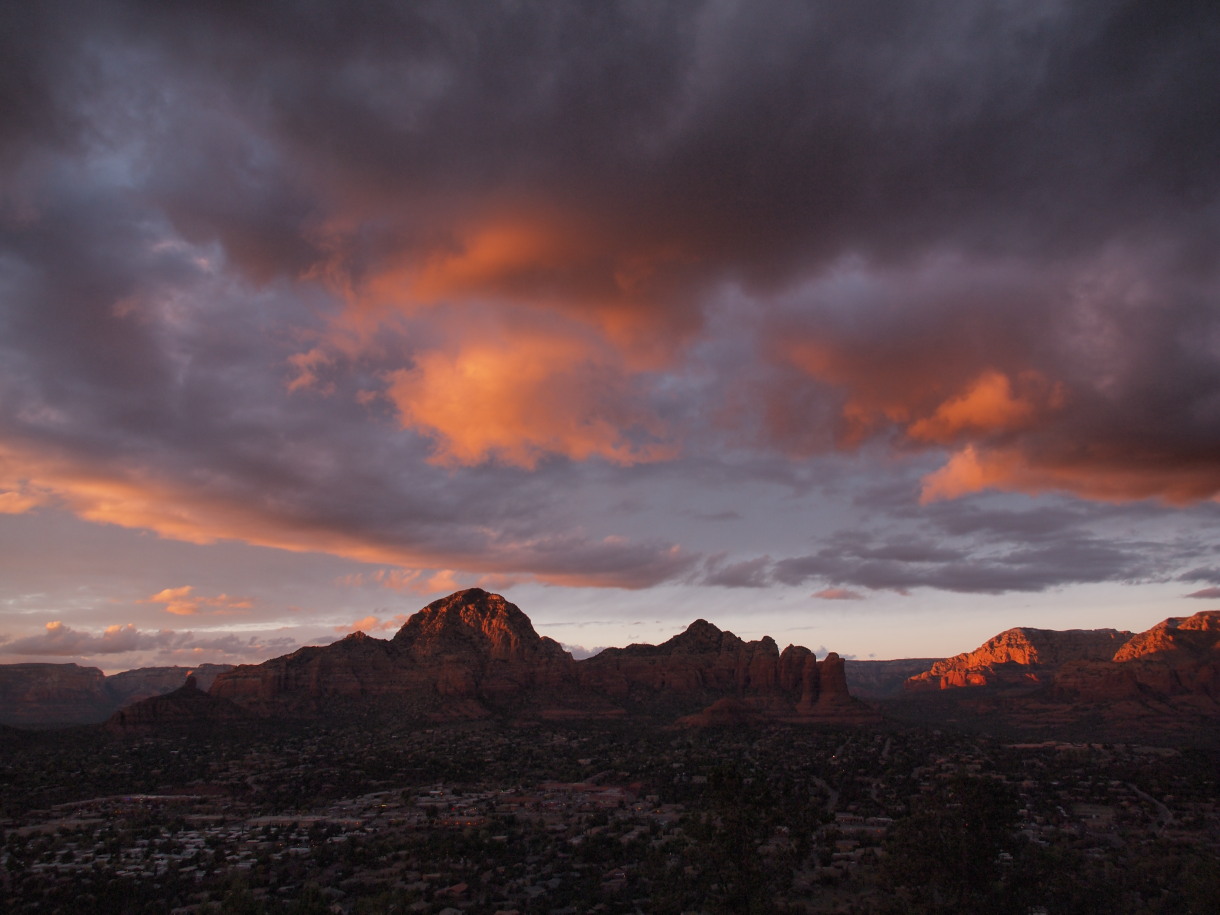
column 131, row 686
column 52, row 694
column 884, row 679
column 701, row 660
column 454, row 658
column 706, row 665
column 1179, row 656
column 56, row 695
column 1021, row 657
column 187, row 706
column 474, row 653
column 723, row 713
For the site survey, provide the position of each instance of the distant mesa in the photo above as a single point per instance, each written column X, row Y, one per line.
column 1178, row 660
column 1163, row 683
column 1020, row 658
column 58, row 695
column 1179, row 656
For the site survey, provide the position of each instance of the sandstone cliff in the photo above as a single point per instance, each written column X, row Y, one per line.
column 1020, row 657
column 56, row 695
column 131, row 686
column 52, row 694
column 460, row 657
column 187, row 706
column 1178, row 657
column 474, row 654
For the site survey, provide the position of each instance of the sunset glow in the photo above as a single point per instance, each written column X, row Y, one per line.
column 876, row 332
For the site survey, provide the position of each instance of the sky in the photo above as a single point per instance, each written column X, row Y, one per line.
column 877, row 327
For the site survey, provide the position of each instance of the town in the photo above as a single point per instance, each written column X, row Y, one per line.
column 486, row 818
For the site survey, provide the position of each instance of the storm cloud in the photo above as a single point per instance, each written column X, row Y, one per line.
column 432, row 286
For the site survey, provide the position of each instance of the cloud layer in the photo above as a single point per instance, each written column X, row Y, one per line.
column 405, row 283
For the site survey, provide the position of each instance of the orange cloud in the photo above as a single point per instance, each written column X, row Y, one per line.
column 17, row 502
column 134, row 498
column 412, row 580
column 1113, row 478
column 520, row 400
column 523, row 258
column 988, row 406
column 374, row 624
column 307, row 366
column 183, row 602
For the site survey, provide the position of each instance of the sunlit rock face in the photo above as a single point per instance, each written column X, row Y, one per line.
column 458, row 655
column 1020, row 657
column 474, row 653
column 1178, row 657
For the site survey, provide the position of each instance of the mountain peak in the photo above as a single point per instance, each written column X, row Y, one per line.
column 701, row 636
column 476, row 621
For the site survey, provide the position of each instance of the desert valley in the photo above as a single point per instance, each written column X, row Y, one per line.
column 469, row 765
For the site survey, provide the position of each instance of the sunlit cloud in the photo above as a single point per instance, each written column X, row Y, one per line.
column 527, row 398
column 989, row 406
column 182, row 601
column 837, row 594
column 62, row 641
column 375, row 624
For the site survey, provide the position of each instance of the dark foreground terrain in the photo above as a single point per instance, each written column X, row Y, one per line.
column 542, row 818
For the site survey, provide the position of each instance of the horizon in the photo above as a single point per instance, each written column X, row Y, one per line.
column 876, row 329
column 580, row 653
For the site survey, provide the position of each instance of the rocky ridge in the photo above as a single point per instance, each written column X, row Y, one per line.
column 187, row 705
column 474, row 654
column 1177, row 658
column 1022, row 657
column 49, row 695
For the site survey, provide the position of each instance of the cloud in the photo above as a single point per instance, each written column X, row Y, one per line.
column 62, row 641
column 854, row 559
column 837, row 594
column 1206, row 593
column 580, row 652
column 375, row 624
column 522, row 399
column 380, row 282
column 749, row 573
column 182, row 601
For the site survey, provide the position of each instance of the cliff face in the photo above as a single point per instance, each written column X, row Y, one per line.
column 474, row 653
column 187, row 706
column 884, row 679
column 1020, row 657
column 1178, row 657
column 56, row 695
column 52, row 694
column 458, row 657
column 131, row 686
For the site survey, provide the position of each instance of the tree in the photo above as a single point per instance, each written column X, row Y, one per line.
column 945, row 856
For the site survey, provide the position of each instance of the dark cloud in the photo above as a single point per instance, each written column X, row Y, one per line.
column 1206, row 593
column 62, row 641
column 393, row 280
column 855, row 559
column 749, row 573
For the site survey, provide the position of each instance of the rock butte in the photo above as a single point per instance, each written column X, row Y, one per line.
column 66, row 694
column 1178, row 657
column 474, row 654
